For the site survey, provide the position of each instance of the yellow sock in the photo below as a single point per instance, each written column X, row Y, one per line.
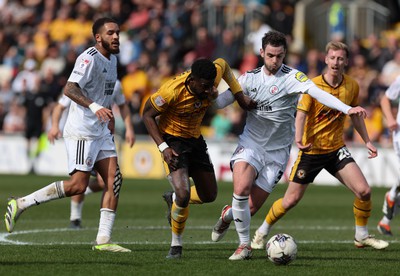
column 179, row 216
column 194, row 197
column 275, row 212
column 362, row 211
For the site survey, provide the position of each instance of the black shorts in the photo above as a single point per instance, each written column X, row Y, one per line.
column 193, row 153
column 308, row 166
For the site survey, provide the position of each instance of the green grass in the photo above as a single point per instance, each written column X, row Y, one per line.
column 322, row 224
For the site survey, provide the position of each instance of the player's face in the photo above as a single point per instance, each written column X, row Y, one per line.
column 109, row 38
column 273, row 58
column 202, row 88
column 336, row 61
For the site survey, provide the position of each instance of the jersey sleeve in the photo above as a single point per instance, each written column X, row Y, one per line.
column 298, row 82
column 162, row 98
column 393, row 91
column 119, row 97
column 305, row 102
column 224, row 72
column 64, row 101
column 82, row 69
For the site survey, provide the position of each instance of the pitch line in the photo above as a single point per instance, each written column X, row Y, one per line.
column 4, row 237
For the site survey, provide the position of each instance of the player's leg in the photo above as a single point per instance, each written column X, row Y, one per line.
column 56, row 190
column 179, row 180
column 388, row 209
column 243, row 179
column 354, row 179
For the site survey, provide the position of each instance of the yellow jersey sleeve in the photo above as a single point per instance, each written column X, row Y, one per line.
column 224, row 72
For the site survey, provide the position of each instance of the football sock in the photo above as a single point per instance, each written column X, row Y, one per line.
column 88, row 191
column 264, row 228
column 194, row 197
column 275, row 212
column 107, row 217
column 362, row 211
column 242, row 217
column 76, row 210
column 179, row 216
column 385, row 220
column 52, row 191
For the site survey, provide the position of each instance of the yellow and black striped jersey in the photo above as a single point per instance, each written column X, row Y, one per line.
column 324, row 126
column 181, row 111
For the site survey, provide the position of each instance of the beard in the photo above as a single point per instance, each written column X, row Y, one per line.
column 109, row 47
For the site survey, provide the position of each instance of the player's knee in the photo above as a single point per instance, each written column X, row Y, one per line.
column 209, row 197
column 364, row 194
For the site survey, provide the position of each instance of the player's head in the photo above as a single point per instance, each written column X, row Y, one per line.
column 337, row 57
column 202, row 77
column 274, row 46
column 106, row 33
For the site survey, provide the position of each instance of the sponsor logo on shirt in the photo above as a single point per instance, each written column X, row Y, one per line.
column 77, row 72
column 159, row 101
column 197, row 104
column 301, row 77
column 84, row 63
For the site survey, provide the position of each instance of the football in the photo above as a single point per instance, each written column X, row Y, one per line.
column 281, row 249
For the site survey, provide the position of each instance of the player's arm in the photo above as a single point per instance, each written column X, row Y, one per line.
column 54, row 132
column 301, row 117
column 387, row 112
column 129, row 132
column 149, row 118
column 73, row 91
column 224, row 72
column 333, row 102
column 359, row 125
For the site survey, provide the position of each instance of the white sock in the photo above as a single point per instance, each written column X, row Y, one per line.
column 361, row 232
column 264, row 228
column 385, row 220
column 242, row 217
column 52, row 191
column 107, row 217
column 228, row 216
column 88, row 191
column 76, row 210
column 176, row 240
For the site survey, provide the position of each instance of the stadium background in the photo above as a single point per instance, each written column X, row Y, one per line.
column 162, row 38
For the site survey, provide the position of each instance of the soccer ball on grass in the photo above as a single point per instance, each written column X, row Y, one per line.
column 281, row 249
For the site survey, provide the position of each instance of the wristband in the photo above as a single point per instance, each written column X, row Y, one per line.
column 162, row 146
column 94, row 107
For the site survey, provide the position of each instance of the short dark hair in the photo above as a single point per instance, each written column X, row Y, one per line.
column 275, row 39
column 204, row 69
column 99, row 23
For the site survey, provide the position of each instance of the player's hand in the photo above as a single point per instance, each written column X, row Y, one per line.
column 302, row 147
column 130, row 137
column 245, row 101
column 53, row 134
column 104, row 115
column 372, row 151
column 214, row 94
column 359, row 111
column 171, row 158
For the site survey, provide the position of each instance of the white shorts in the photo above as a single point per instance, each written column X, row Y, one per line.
column 83, row 154
column 269, row 165
column 396, row 143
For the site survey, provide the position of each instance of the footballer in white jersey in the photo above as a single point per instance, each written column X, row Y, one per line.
column 264, row 146
column 391, row 203
column 82, row 123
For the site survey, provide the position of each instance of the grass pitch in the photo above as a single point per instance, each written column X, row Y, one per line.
column 322, row 224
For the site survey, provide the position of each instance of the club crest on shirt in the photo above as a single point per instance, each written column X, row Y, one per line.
column 84, row 63
column 274, row 90
column 301, row 77
column 197, row 104
column 301, row 174
column 159, row 101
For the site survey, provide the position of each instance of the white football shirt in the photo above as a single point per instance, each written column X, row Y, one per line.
column 393, row 94
column 96, row 76
column 271, row 125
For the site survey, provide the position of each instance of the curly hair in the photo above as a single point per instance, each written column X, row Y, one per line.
column 204, row 69
column 275, row 39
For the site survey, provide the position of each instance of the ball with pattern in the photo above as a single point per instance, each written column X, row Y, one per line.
column 281, row 249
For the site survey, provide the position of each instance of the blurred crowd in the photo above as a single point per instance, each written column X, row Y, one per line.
column 40, row 40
